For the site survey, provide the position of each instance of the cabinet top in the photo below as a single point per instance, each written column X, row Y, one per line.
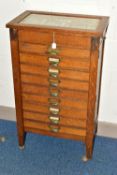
column 93, row 25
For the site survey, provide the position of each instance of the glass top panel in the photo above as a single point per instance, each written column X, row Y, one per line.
column 61, row 21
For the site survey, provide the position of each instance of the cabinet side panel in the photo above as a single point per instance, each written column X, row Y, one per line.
column 100, row 67
column 17, row 84
column 92, row 97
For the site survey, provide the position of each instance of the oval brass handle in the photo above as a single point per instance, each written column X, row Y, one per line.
column 54, row 94
column 53, row 71
column 53, row 75
column 53, row 64
column 54, row 102
column 54, row 84
column 52, row 51
column 54, row 129
column 54, row 60
column 54, row 111
column 54, row 81
column 54, row 120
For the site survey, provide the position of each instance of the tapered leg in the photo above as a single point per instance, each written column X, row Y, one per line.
column 89, row 146
column 89, row 149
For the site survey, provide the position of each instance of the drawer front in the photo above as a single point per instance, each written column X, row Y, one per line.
column 81, row 64
column 62, row 83
column 64, row 102
column 63, row 73
column 70, row 122
column 40, row 90
column 54, row 86
column 42, row 37
column 63, row 111
column 54, row 128
column 63, row 51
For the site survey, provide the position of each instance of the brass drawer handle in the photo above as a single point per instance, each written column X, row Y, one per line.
column 55, row 71
column 53, row 64
column 54, row 120
column 54, row 84
column 54, row 129
column 54, row 61
column 52, row 51
column 53, row 75
column 53, row 102
column 54, row 111
column 54, row 94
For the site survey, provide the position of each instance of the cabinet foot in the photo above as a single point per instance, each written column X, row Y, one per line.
column 89, row 147
column 21, row 139
column 84, row 158
column 2, row 139
column 21, row 147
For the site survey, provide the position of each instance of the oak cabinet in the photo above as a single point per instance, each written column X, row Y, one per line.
column 57, row 64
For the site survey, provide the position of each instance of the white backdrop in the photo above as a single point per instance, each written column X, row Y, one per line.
column 108, row 104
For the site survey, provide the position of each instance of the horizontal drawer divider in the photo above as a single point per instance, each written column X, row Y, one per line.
column 32, row 92
column 46, row 56
column 43, row 36
column 64, row 104
column 68, row 68
column 58, row 45
column 67, row 84
column 61, row 119
column 63, row 93
column 26, row 58
column 44, row 113
column 45, row 127
column 33, row 74
column 68, row 126
column 35, row 112
column 61, row 79
column 85, row 59
column 59, row 97
column 78, row 136
column 43, row 104
column 59, row 135
column 40, row 85
column 65, row 117
column 33, row 84
column 60, row 55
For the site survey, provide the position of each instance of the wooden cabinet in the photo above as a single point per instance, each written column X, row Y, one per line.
column 57, row 63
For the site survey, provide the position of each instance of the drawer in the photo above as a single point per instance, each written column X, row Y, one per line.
column 54, row 128
column 63, row 120
column 40, row 90
column 64, row 51
column 62, row 83
column 30, row 60
column 40, row 99
column 63, row 73
column 64, row 111
column 42, row 37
